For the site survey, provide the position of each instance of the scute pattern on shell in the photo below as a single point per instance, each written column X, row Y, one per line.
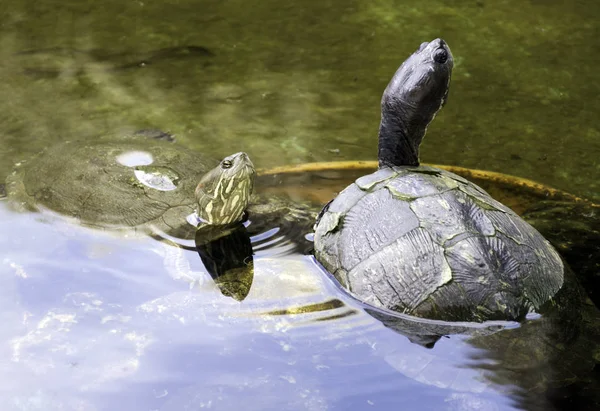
column 84, row 180
column 429, row 243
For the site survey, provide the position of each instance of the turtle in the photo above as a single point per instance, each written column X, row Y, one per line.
column 135, row 182
column 554, row 354
column 420, row 240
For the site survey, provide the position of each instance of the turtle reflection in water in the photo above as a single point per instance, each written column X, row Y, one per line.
column 554, row 354
column 228, row 259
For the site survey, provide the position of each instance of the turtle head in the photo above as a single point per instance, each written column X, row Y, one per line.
column 223, row 193
column 411, row 100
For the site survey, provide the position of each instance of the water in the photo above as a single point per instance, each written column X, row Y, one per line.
column 89, row 322
column 93, row 321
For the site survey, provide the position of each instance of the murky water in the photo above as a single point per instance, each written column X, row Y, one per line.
column 302, row 81
column 93, row 321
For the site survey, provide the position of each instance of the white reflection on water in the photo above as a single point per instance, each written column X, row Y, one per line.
column 94, row 321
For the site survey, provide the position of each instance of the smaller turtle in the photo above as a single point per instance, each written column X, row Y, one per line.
column 134, row 182
column 425, row 241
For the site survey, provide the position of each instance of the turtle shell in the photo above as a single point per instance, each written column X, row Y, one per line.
column 427, row 242
column 119, row 182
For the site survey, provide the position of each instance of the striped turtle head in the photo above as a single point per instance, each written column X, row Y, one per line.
column 223, row 193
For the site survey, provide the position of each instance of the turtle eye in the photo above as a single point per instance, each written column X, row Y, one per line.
column 226, row 164
column 440, row 56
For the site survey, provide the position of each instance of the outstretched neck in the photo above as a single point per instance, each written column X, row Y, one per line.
column 400, row 135
column 410, row 101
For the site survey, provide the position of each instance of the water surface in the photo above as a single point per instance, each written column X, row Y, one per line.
column 93, row 321
column 298, row 82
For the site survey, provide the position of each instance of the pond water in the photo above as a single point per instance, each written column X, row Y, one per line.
column 94, row 321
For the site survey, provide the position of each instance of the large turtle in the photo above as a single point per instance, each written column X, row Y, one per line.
column 422, row 240
column 136, row 182
column 546, row 359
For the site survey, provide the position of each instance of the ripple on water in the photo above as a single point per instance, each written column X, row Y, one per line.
column 97, row 321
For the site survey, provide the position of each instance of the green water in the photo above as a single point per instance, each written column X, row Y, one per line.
column 298, row 82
